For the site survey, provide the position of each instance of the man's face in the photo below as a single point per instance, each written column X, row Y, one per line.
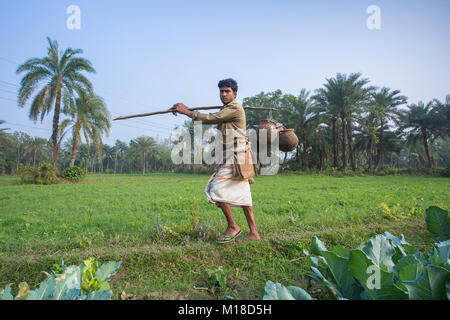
column 227, row 95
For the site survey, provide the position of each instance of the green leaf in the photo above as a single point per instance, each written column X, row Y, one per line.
column 429, row 282
column 443, row 251
column 317, row 246
column 97, row 295
column 276, row 291
column 5, row 294
column 438, row 222
column 338, row 266
column 299, row 294
column 387, row 290
column 380, row 251
column 68, row 285
column 45, row 291
column 331, row 288
column 107, row 270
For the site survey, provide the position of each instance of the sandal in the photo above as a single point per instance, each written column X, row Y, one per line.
column 229, row 238
column 243, row 239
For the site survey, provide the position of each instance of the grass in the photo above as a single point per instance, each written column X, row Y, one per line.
column 122, row 217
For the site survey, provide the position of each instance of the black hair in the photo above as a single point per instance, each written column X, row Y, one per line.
column 230, row 83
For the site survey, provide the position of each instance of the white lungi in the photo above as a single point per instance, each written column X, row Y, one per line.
column 223, row 187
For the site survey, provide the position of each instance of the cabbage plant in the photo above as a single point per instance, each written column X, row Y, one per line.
column 88, row 281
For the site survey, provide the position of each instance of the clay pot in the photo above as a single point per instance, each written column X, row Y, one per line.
column 268, row 125
column 288, row 140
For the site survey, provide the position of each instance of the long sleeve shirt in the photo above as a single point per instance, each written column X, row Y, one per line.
column 230, row 117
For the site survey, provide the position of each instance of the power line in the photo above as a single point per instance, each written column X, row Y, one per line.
column 10, row 61
column 9, row 83
column 7, row 91
column 3, row 98
column 24, row 125
column 110, row 94
column 145, row 129
column 150, row 124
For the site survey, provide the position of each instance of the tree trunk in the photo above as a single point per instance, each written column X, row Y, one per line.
column 143, row 164
column 335, row 142
column 305, row 151
column 369, row 152
column 76, row 135
column 344, row 146
column 425, row 145
column 320, row 156
column 380, row 160
column 34, row 156
column 56, row 126
column 350, row 147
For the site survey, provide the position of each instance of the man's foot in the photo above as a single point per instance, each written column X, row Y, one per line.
column 229, row 235
column 248, row 237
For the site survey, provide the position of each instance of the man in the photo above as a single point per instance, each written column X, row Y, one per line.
column 223, row 189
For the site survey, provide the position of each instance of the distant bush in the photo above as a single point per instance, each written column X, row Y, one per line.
column 46, row 174
column 43, row 175
column 27, row 174
column 74, row 174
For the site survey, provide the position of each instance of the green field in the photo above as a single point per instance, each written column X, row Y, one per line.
column 122, row 217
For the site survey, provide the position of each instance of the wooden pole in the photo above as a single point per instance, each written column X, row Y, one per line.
column 192, row 109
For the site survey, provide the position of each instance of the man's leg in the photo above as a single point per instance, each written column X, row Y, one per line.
column 233, row 228
column 253, row 235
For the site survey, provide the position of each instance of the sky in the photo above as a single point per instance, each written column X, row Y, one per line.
column 149, row 55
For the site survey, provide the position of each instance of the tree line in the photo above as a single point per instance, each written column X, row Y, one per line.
column 348, row 123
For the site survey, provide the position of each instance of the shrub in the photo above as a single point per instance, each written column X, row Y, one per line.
column 46, row 174
column 43, row 175
column 74, row 174
column 28, row 174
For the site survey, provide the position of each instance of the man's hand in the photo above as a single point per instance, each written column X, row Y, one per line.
column 180, row 108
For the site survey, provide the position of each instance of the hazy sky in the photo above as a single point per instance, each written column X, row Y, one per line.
column 151, row 54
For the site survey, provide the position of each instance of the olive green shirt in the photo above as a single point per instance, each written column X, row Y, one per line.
column 231, row 116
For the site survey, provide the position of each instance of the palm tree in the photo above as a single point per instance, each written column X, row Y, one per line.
column 37, row 144
column 348, row 94
column 87, row 112
column 329, row 114
column 422, row 122
column 384, row 106
column 443, row 116
column 142, row 145
column 59, row 77
column 120, row 149
column 6, row 144
column 297, row 112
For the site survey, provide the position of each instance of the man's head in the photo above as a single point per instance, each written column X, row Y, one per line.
column 228, row 90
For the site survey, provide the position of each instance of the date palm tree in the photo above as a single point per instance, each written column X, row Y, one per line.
column 57, row 77
column 347, row 95
column 420, row 122
column 329, row 114
column 384, row 106
column 142, row 145
column 296, row 112
column 87, row 113
column 37, row 144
